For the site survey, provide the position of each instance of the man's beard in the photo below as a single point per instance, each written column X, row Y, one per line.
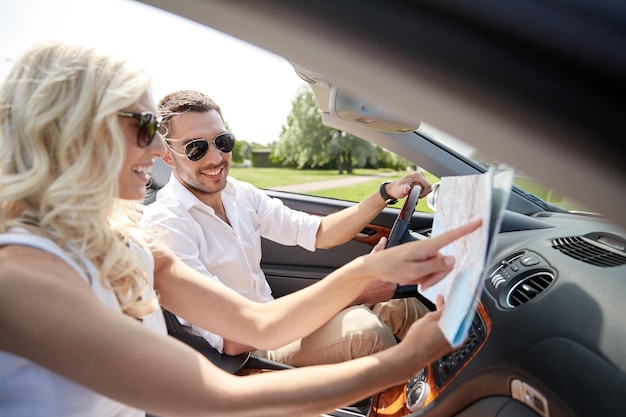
column 196, row 185
column 202, row 189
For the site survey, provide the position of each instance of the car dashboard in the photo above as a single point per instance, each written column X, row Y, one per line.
column 548, row 337
column 548, row 331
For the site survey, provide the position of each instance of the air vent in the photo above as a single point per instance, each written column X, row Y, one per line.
column 529, row 288
column 519, row 277
column 505, row 263
column 587, row 249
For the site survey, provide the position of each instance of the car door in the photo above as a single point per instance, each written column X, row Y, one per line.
column 289, row 268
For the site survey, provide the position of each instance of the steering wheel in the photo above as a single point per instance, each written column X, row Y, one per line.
column 400, row 234
column 400, row 230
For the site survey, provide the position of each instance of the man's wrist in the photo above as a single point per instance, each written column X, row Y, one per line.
column 385, row 195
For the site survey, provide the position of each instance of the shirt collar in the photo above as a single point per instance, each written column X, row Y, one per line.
column 174, row 189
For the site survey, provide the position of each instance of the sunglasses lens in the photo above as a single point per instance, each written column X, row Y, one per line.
column 196, row 150
column 147, row 126
column 146, row 130
column 225, row 142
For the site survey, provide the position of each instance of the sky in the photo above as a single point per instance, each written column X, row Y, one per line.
column 254, row 88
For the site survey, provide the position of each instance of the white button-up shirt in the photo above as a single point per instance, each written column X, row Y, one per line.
column 229, row 255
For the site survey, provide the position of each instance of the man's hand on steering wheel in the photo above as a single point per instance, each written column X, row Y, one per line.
column 400, row 188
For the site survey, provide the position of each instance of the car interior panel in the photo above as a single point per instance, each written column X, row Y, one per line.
column 538, row 86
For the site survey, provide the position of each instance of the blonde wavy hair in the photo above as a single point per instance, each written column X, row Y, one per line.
column 61, row 152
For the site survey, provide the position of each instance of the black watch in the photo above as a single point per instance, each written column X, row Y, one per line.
column 383, row 193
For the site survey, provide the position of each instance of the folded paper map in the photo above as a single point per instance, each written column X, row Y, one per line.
column 459, row 200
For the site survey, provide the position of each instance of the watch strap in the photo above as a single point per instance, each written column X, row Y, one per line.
column 383, row 193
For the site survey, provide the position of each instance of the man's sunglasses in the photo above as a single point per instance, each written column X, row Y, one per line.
column 147, row 126
column 198, row 148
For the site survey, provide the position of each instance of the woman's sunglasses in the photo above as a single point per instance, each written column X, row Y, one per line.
column 198, row 148
column 147, row 126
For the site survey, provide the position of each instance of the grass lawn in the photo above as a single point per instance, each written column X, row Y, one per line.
column 359, row 191
column 269, row 177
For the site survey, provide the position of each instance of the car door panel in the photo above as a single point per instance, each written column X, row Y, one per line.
column 289, row 268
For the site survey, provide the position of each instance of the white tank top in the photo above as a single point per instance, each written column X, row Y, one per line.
column 30, row 390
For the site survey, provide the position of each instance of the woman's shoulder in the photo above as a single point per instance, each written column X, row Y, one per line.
column 17, row 260
column 32, row 271
column 27, row 249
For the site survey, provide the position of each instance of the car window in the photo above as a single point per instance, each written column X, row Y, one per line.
column 522, row 180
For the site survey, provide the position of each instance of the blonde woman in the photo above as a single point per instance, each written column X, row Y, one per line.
column 81, row 332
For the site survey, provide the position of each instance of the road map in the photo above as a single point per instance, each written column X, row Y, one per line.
column 459, row 200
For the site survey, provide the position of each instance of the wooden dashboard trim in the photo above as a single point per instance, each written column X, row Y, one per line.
column 371, row 234
column 392, row 403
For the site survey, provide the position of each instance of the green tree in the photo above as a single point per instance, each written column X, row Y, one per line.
column 391, row 160
column 306, row 143
column 241, row 146
column 241, row 149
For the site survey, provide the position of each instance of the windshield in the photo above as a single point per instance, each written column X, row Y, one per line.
column 523, row 181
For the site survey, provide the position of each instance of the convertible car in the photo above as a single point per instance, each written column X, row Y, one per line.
column 454, row 86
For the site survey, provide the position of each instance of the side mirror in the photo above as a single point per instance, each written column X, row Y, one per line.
column 431, row 198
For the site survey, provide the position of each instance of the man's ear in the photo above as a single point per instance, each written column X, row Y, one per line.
column 167, row 158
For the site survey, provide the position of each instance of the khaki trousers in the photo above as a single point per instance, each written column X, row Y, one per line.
column 352, row 333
